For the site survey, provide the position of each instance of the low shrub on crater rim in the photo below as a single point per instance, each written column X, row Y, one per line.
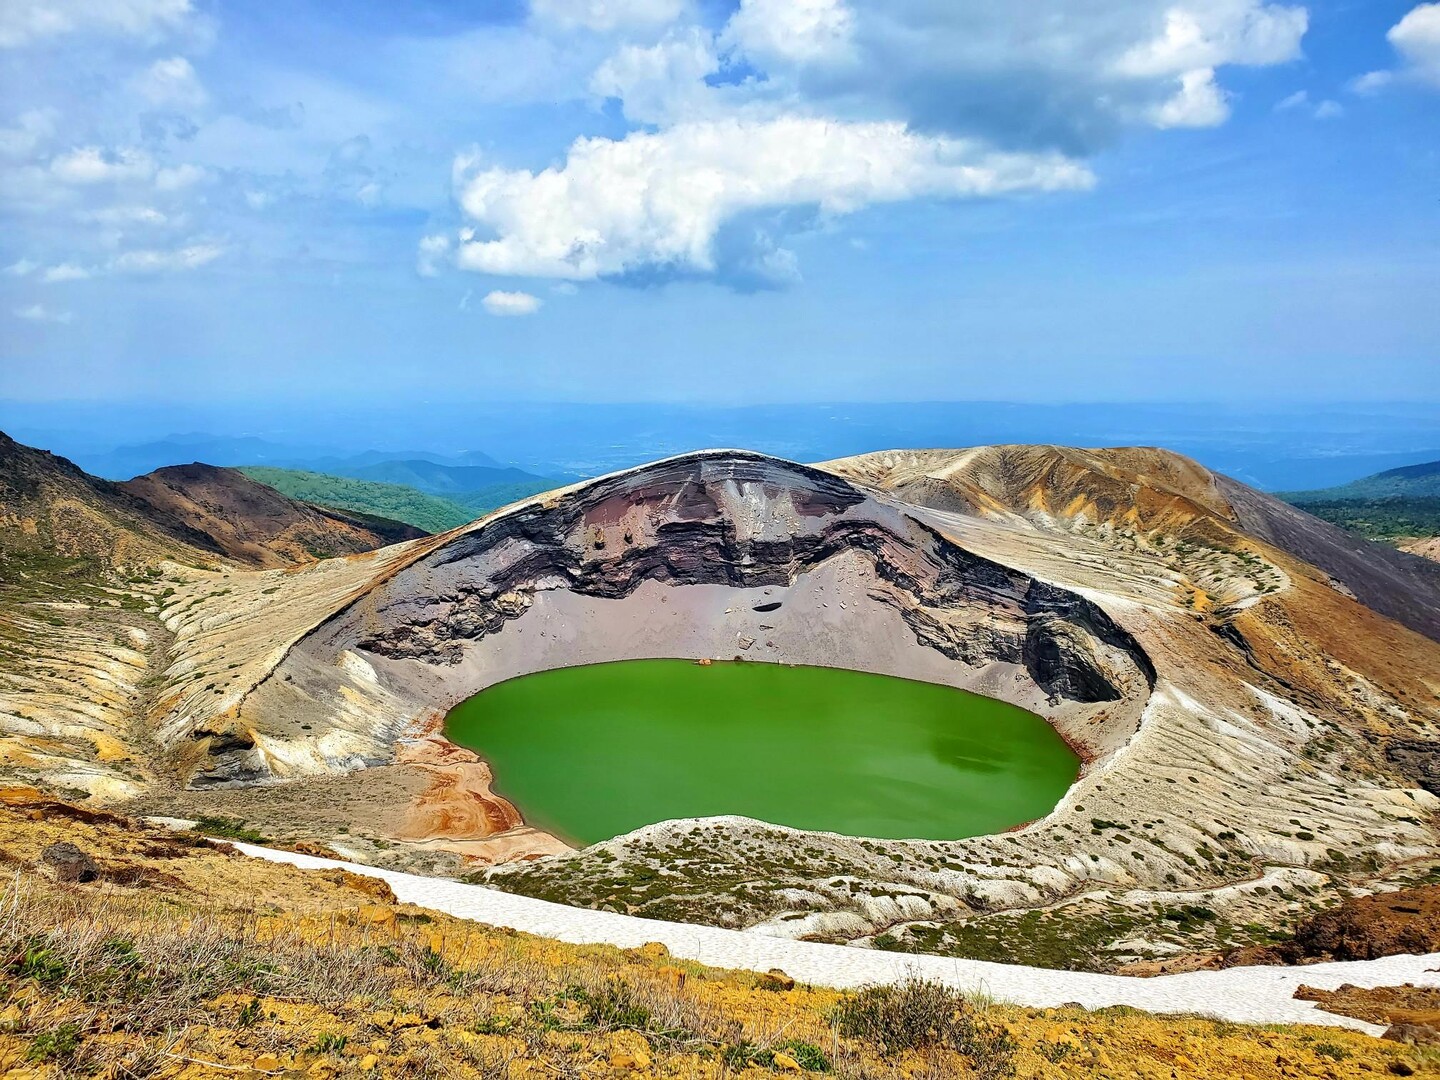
column 922, row 1015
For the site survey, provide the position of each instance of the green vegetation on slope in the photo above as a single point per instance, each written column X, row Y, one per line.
column 1411, row 481
column 1391, row 505
column 428, row 512
column 1395, row 518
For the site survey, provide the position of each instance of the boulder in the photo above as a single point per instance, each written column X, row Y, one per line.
column 69, row 863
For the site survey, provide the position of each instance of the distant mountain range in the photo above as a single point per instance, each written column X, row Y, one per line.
column 125, row 462
column 427, row 475
column 1411, row 481
column 407, row 502
column 75, row 522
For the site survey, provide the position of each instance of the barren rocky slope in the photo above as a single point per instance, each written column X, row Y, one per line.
column 1427, row 547
column 256, row 525
column 51, row 509
column 1254, row 737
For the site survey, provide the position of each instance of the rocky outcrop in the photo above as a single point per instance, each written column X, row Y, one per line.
column 747, row 523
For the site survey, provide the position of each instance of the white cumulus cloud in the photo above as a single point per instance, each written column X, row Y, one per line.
column 607, row 15
column 1208, row 34
column 1198, row 103
column 510, row 303
column 40, row 313
column 1416, row 37
column 801, row 31
column 171, row 83
column 153, row 260
column 659, row 199
column 661, row 82
column 23, row 22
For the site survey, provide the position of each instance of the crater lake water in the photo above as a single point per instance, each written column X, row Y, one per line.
column 592, row 752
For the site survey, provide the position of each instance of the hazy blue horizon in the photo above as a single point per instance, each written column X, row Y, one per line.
column 1271, row 446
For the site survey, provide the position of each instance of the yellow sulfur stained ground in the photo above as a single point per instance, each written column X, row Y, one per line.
column 187, row 961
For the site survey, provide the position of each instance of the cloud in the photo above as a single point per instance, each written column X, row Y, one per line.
column 24, row 22
column 180, row 176
column 171, row 82
column 607, row 15
column 661, row 82
column 31, row 130
column 123, row 215
column 153, row 261
column 1206, row 35
column 1300, row 102
column 658, row 199
column 22, row 268
column 1044, row 74
column 1198, row 103
column 64, row 272
column 94, row 165
column 1372, row 82
column 1416, row 38
column 433, row 252
column 510, row 303
column 800, row 31
column 40, row 313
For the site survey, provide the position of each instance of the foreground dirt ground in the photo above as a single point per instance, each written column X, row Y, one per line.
column 174, row 957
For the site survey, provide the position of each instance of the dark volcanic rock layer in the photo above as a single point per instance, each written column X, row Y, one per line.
column 741, row 523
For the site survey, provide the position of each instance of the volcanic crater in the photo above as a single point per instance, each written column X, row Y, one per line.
column 1250, row 732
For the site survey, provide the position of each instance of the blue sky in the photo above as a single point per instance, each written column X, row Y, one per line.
column 718, row 201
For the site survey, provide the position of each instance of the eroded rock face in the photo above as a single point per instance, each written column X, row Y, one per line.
column 749, row 524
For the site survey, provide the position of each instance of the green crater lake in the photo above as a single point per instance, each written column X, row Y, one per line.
column 591, row 752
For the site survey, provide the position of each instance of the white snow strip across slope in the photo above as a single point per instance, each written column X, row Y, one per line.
column 1243, row 994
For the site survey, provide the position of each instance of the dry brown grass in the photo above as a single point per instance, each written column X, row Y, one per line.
column 208, row 964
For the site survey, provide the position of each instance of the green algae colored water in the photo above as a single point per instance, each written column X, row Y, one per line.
column 592, row 752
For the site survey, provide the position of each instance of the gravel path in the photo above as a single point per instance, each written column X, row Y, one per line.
column 1245, row 994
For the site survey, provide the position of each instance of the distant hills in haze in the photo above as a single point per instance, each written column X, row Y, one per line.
column 1410, row 481
column 125, row 462
column 430, row 496
column 428, row 490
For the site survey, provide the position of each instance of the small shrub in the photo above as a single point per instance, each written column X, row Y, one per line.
column 39, row 962
column 230, row 829
column 1054, row 1052
column 807, row 1055
column 57, row 1045
column 1331, row 1051
column 919, row 1015
column 329, row 1043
